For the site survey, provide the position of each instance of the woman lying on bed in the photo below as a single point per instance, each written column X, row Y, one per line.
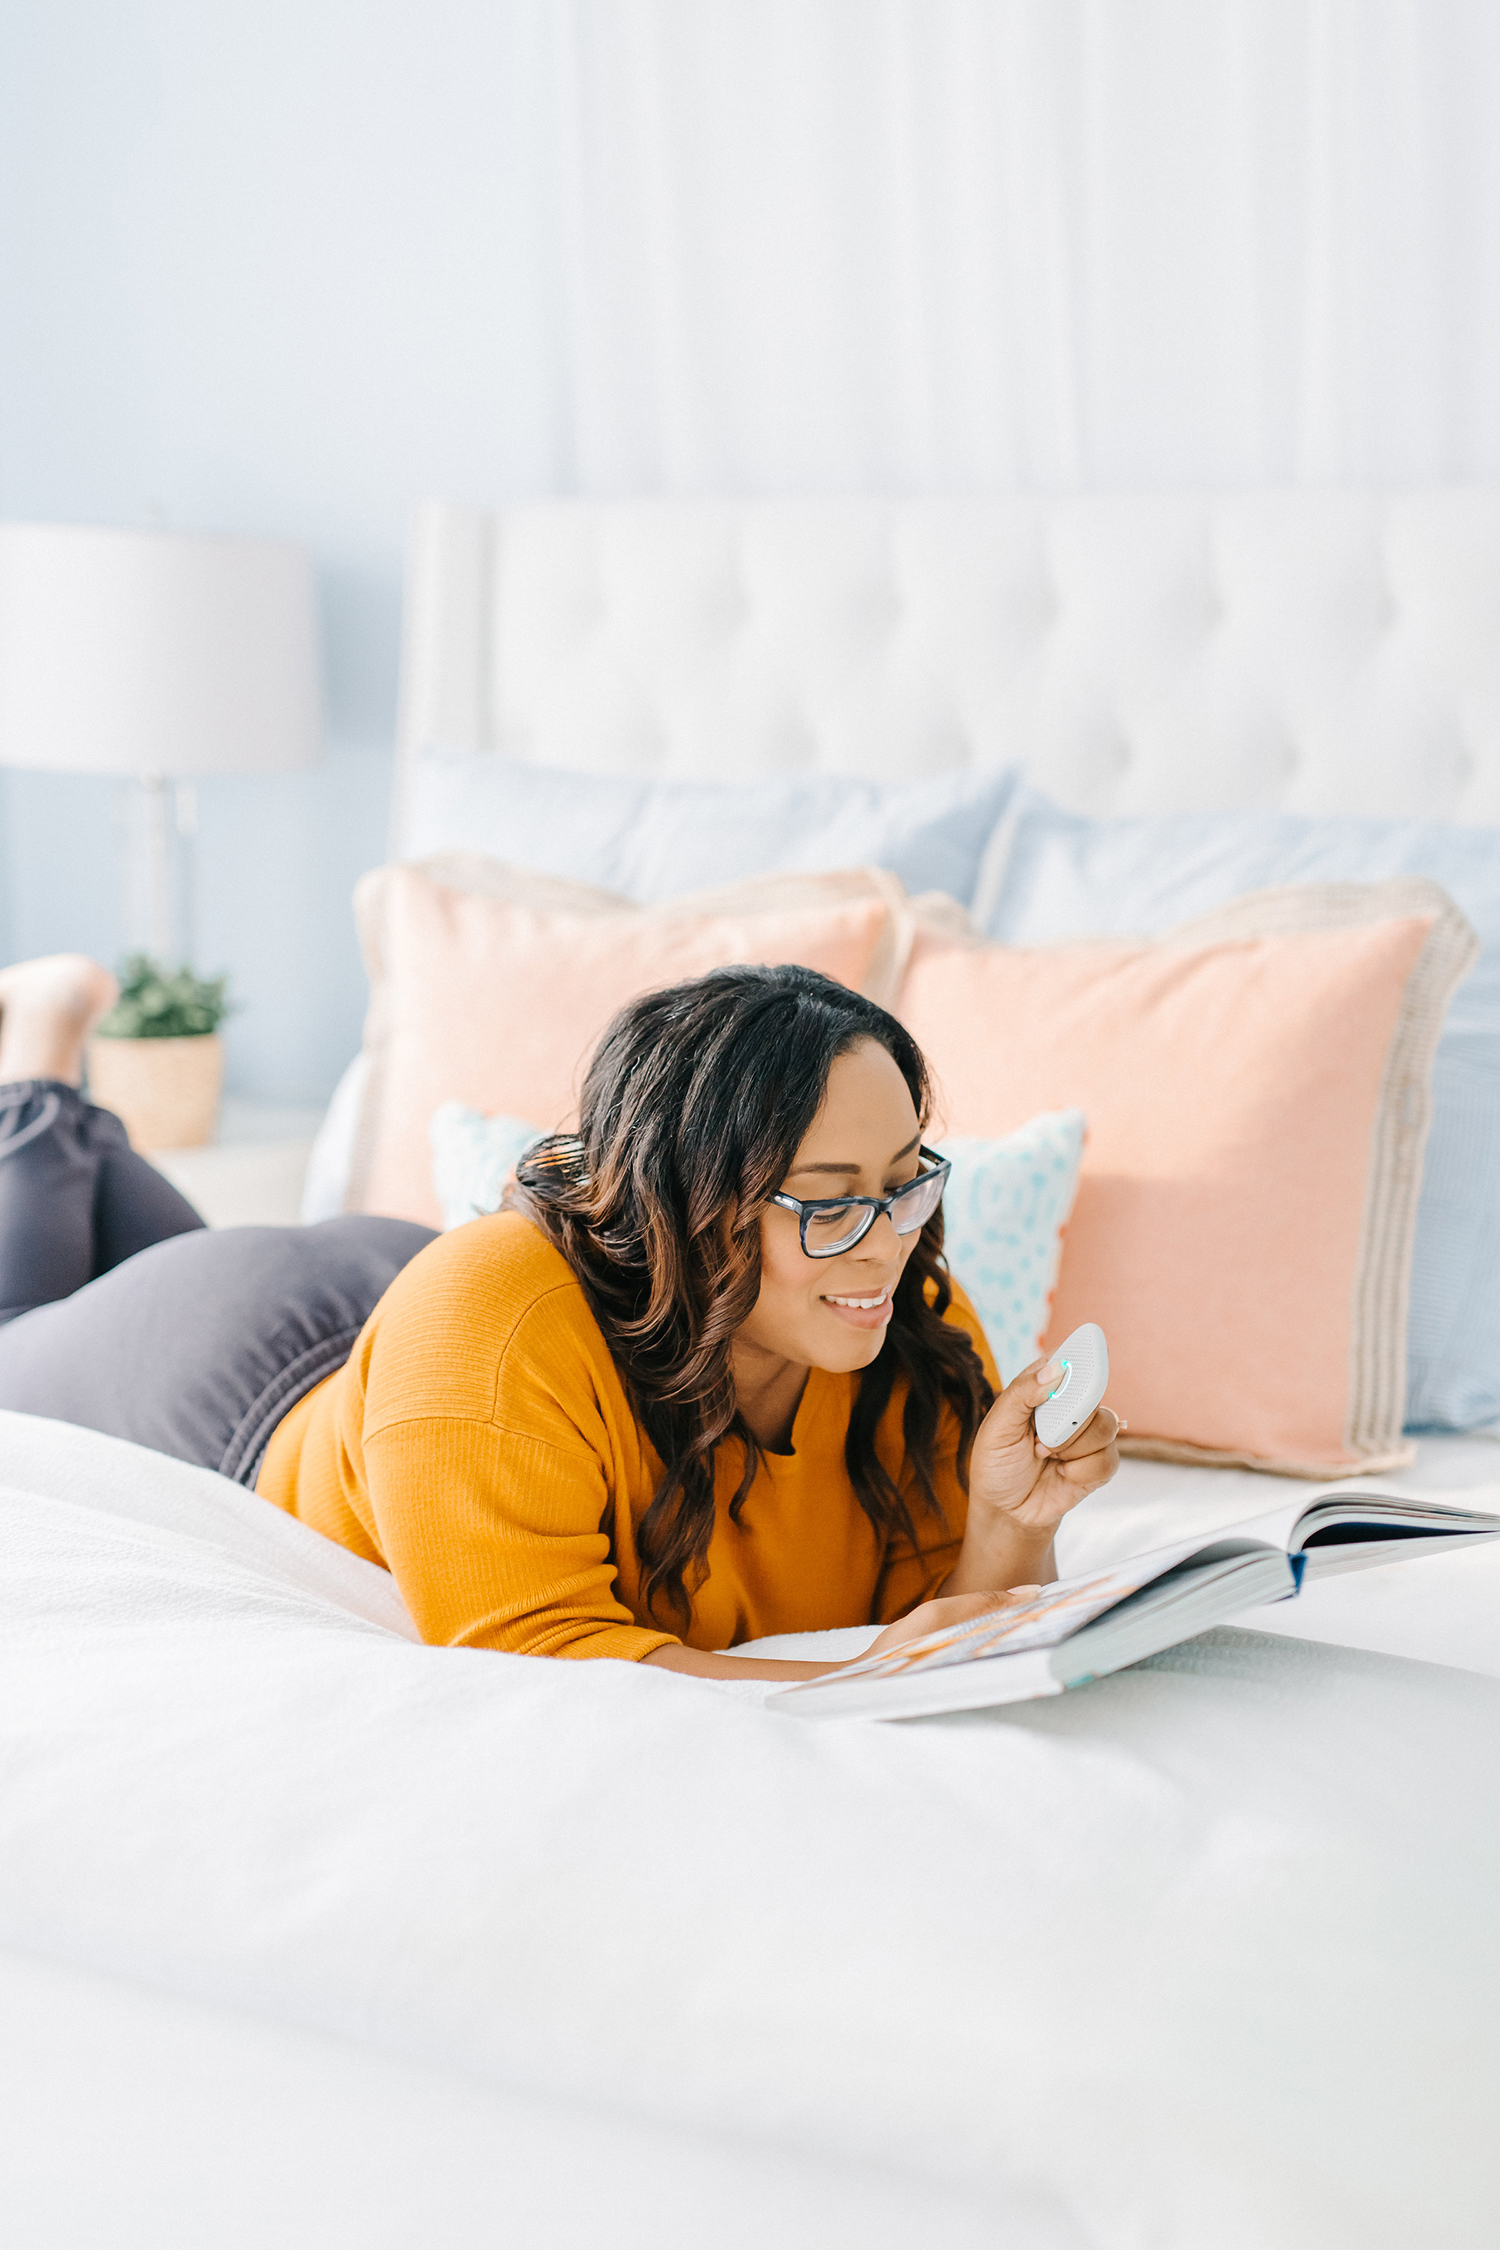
column 704, row 1378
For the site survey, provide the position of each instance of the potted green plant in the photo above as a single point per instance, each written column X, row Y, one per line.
column 157, row 1059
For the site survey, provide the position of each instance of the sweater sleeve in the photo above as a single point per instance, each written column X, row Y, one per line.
column 496, row 1526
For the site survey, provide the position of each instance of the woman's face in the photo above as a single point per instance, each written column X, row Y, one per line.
column 833, row 1312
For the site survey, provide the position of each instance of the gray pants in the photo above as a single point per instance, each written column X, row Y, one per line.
column 121, row 1311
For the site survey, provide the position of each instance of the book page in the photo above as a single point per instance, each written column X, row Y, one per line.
column 1330, row 1504
column 1065, row 1608
column 1056, row 1612
column 1283, row 1526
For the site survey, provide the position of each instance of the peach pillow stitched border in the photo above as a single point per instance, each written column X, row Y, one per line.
column 491, row 985
column 1257, row 1089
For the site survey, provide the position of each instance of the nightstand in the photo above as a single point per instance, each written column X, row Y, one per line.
column 252, row 1174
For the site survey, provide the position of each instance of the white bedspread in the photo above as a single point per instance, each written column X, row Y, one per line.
column 1203, row 1955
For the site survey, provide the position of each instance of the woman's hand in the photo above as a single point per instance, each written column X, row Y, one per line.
column 1020, row 1489
column 1013, row 1472
column 948, row 1609
column 927, row 1617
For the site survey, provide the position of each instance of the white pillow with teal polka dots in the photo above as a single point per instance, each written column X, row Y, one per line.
column 472, row 1158
column 1007, row 1203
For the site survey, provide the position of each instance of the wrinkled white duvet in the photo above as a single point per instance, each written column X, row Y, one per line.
column 314, row 1927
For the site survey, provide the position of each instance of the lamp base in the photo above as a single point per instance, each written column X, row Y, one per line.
column 161, row 820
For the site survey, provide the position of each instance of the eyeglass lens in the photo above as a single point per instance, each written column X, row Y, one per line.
column 913, row 1206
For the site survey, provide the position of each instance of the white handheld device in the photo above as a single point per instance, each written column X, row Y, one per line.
column 1084, row 1357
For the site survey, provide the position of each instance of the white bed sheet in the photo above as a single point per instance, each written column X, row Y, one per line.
column 305, row 1917
column 135, row 2118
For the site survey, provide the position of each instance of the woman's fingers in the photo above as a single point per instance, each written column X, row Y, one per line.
column 1085, row 1473
column 1008, row 1421
column 1090, row 1457
column 1010, row 1418
column 957, row 1607
column 1011, row 1469
column 1087, row 1470
column 1100, row 1430
column 948, row 1609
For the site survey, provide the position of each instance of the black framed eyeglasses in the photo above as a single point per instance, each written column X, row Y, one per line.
column 835, row 1223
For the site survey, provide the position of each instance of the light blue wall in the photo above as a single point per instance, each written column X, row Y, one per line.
column 274, row 266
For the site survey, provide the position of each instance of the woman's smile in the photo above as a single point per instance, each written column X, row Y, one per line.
column 863, row 1312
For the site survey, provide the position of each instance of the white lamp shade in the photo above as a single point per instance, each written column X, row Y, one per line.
column 155, row 652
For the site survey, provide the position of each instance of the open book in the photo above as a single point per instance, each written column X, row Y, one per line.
column 1080, row 1628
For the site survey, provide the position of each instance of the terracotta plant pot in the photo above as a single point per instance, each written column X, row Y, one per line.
column 165, row 1091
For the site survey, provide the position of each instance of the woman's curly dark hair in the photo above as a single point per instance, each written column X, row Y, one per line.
column 694, row 1105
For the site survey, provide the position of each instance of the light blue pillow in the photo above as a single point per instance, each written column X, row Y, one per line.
column 1051, row 875
column 472, row 1158
column 1007, row 1203
column 653, row 840
column 1008, row 1200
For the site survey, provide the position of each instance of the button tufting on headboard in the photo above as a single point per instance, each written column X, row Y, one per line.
column 1313, row 650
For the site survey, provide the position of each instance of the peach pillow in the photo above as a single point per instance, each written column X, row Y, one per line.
column 490, row 986
column 1256, row 1085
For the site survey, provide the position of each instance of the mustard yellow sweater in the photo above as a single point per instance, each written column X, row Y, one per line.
column 479, row 1443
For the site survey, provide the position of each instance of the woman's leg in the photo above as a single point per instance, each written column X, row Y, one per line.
column 199, row 1346
column 75, row 1199
column 121, row 1311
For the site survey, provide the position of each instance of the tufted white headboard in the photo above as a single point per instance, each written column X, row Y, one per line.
column 1304, row 651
